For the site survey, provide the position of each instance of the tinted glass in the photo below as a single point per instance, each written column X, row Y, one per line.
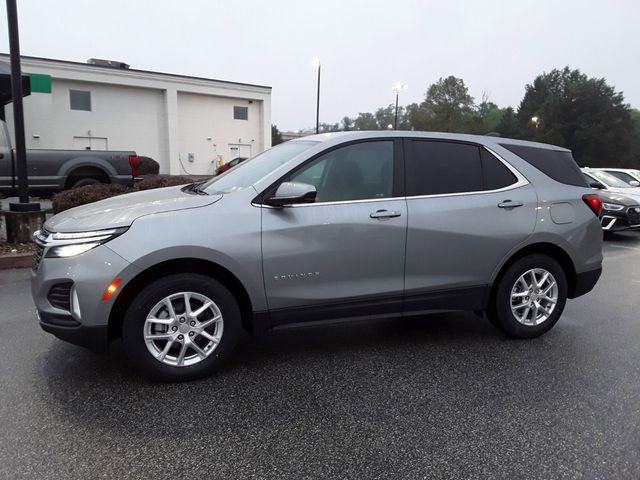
column 355, row 172
column 495, row 174
column 442, row 167
column 80, row 100
column 558, row 165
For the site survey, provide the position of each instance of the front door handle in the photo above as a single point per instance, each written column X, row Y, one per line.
column 510, row 204
column 385, row 214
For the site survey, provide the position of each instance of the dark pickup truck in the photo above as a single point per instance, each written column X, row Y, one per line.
column 56, row 170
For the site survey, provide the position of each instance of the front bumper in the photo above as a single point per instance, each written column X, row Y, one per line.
column 66, row 328
column 86, row 321
column 615, row 221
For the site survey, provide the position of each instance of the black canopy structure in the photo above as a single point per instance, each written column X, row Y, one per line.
column 5, row 87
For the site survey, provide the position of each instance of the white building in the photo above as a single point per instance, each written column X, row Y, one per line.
column 187, row 124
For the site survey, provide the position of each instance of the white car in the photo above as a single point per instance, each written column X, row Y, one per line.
column 629, row 175
column 602, row 180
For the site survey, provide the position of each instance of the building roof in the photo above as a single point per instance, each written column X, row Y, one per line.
column 105, row 68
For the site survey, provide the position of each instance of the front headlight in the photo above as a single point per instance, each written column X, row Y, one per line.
column 62, row 245
column 612, row 206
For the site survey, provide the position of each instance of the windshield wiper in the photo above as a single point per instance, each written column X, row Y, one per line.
column 195, row 188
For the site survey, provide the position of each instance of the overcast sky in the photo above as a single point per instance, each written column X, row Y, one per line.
column 365, row 46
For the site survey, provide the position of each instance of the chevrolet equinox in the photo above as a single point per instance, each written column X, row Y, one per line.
column 325, row 228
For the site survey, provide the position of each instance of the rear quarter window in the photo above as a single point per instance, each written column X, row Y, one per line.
column 559, row 165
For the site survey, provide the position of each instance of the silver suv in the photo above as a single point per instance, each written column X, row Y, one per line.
column 326, row 228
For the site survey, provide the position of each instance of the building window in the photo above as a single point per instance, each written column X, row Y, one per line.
column 240, row 113
column 80, row 100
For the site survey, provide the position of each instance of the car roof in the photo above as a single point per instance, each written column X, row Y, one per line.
column 340, row 137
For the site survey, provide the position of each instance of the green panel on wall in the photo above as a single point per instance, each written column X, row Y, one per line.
column 40, row 83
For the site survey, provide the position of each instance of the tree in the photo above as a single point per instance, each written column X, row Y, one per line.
column 566, row 108
column 365, row 121
column 633, row 159
column 447, row 107
column 276, row 136
column 508, row 125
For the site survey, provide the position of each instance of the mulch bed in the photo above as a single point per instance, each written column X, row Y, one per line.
column 15, row 248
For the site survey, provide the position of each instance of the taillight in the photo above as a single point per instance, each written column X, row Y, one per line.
column 134, row 161
column 594, row 202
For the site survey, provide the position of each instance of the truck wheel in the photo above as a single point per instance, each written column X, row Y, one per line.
column 181, row 327
column 530, row 297
column 82, row 182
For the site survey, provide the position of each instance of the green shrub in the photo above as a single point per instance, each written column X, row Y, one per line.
column 148, row 166
column 159, row 181
column 87, row 194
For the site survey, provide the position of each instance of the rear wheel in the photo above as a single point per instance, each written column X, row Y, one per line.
column 181, row 327
column 530, row 297
column 81, row 182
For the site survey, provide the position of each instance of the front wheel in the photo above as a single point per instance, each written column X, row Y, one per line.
column 530, row 297
column 181, row 327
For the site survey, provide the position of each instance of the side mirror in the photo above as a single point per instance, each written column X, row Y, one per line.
column 597, row 184
column 634, row 183
column 289, row 193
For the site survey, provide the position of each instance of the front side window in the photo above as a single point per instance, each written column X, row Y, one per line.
column 240, row 113
column 356, row 172
column 80, row 100
column 624, row 176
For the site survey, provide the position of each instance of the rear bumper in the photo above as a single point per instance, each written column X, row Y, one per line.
column 66, row 328
column 585, row 282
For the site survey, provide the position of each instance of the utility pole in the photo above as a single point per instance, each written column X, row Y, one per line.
column 18, row 112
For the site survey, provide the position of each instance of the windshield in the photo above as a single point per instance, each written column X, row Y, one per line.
column 609, row 180
column 250, row 171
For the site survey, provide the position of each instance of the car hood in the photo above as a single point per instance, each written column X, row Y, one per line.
column 633, row 192
column 122, row 210
column 612, row 197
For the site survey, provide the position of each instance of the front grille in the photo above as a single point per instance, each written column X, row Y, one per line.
column 60, row 296
column 37, row 256
column 633, row 215
column 40, row 240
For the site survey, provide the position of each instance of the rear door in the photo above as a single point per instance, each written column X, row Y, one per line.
column 467, row 209
column 342, row 256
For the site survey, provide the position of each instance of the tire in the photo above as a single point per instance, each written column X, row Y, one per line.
column 82, row 182
column 500, row 312
column 200, row 287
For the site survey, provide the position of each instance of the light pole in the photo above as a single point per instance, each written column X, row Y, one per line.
column 397, row 88
column 316, row 63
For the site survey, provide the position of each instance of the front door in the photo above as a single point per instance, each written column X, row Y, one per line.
column 342, row 256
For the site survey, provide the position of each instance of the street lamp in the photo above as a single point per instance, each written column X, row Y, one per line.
column 536, row 121
column 316, row 63
column 397, row 88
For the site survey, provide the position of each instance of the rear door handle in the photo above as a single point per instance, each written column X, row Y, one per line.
column 385, row 214
column 510, row 204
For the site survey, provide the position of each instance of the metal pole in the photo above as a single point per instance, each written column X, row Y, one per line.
column 318, row 102
column 16, row 92
column 395, row 123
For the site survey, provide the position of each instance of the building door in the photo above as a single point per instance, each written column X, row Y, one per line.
column 90, row 143
column 239, row 150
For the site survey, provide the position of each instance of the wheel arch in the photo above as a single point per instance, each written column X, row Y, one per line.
column 544, row 248
column 84, row 171
column 180, row 265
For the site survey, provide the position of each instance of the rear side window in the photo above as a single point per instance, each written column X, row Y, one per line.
column 495, row 174
column 442, row 167
column 558, row 165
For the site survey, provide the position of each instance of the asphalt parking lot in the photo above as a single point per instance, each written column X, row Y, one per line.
column 444, row 396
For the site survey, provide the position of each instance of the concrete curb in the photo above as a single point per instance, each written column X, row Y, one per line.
column 17, row 260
